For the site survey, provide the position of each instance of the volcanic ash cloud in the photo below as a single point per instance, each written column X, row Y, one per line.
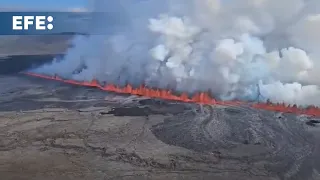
column 249, row 49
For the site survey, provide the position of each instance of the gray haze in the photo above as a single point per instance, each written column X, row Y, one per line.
column 234, row 48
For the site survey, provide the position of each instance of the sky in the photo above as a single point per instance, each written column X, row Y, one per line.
column 44, row 4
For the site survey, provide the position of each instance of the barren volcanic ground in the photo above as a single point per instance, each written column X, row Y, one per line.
column 53, row 131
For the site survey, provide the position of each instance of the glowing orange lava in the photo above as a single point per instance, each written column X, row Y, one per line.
column 200, row 98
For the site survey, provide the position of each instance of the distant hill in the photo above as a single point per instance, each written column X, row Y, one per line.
column 36, row 44
column 69, row 33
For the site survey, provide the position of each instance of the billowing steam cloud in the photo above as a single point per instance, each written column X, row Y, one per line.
column 239, row 49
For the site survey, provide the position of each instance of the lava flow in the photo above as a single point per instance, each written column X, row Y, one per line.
column 200, row 98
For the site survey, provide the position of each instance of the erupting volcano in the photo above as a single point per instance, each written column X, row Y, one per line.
column 250, row 51
column 170, row 89
column 201, row 97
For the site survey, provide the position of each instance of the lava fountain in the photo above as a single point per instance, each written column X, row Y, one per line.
column 199, row 98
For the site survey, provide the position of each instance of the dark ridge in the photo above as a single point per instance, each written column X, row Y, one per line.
column 131, row 111
column 69, row 33
column 153, row 102
column 312, row 122
column 233, row 111
column 166, row 109
column 315, row 121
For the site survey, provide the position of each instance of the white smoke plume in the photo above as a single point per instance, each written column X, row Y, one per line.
column 239, row 49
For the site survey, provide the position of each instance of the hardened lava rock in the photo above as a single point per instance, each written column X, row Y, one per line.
column 240, row 134
column 68, row 132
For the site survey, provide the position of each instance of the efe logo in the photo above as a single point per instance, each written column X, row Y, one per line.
column 23, row 22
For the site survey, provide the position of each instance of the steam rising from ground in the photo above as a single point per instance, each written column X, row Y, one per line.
column 239, row 49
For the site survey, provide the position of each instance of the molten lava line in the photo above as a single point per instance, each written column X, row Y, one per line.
column 200, row 98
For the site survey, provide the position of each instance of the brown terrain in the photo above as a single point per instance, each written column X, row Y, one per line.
column 54, row 131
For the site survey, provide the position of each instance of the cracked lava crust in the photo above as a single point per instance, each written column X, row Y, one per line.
column 50, row 130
